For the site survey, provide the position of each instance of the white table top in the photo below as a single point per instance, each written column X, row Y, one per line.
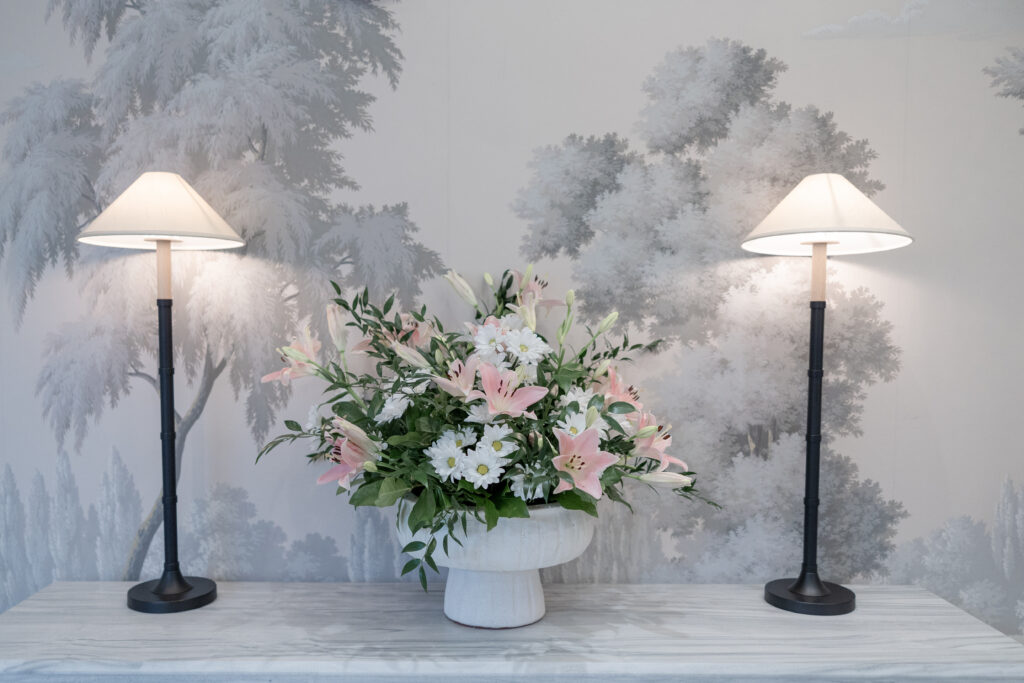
column 394, row 632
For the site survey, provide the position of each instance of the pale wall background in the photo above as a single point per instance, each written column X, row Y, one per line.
column 485, row 84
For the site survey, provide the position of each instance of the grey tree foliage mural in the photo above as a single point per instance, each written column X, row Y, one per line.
column 249, row 101
column 655, row 234
column 1008, row 75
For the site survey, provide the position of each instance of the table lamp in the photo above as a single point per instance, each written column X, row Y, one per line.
column 161, row 211
column 824, row 214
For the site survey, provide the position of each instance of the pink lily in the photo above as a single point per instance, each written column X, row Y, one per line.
column 300, row 357
column 615, row 390
column 654, row 445
column 353, row 433
column 529, row 297
column 421, row 331
column 583, row 460
column 503, row 398
column 461, row 377
column 350, row 458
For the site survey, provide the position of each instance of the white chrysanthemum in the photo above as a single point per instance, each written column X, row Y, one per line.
column 526, row 345
column 394, row 408
column 580, row 396
column 447, row 459
column 482, row 466
column 480, row 414
column 525, row 486
column 493, row 438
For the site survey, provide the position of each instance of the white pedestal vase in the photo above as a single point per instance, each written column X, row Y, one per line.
column 493, row 577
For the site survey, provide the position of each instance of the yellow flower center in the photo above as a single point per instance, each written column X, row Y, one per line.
column 458, row 442
column 482, row 469
column 496, row 445
column 451, row 461
column 573, row 431
column 524, row 347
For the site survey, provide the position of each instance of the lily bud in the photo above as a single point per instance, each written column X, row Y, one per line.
column 607, row 323
column 603, row 367
column 649, row 430
column 370, row 466
column 527, row 276
column 294, row 354
column 489, row 280
column 668, row 479
column 570, row 298
column 461, row 287
column 591, row 416
column 336, row 327
column 410, row 356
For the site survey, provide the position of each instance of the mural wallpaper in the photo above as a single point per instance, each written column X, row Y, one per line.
column 256, row 109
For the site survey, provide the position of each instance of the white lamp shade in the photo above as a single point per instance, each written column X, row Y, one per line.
column 826, row 207
column 160, row 206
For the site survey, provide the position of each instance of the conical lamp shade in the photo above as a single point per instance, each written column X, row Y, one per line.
column 160, row 206
column 826, row 207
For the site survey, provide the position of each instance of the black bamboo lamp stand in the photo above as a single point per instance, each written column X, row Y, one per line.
column 172, row 592
column 161, row 210
column 807, row 593
column 824, row 214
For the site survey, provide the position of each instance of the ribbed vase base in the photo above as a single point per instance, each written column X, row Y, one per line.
column 493, row 599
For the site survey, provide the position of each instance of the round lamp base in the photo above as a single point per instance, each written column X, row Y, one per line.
column 142, row 597
column 837, row 600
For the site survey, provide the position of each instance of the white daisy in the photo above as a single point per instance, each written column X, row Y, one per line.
column 494, row 436
column 480, row 414
column 524, row 486
column 575, row 423
column 394, row 407
column 489, row 344
column 447, row 459
column 463, row 438
column 482, row 466
column 526, row 345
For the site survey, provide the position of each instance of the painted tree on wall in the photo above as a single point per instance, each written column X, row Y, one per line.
column 248, row 101
column 1008, row 75
column 655, row 234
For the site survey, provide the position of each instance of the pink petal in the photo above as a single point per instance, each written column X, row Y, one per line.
column 335, row 473
column 565, row 444
column 590, row 484
column 525, row 397
column 489, row 379
column 563, row 485
column 587, row 442
column 448, row 386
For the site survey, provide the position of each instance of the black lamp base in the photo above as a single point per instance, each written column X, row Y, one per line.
column 147, row 597
column 831, row 601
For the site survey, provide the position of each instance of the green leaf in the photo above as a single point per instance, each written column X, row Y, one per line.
column 423, row 579
column 391, row 489
column 414, row 546
column 410, row 565
column 621, row 408
column 422, row 512
column 574, row 500
column 293, row 425
column 512, row 507
column 366, row 494
column 490, row 514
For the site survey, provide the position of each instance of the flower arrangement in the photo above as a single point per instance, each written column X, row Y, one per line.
column 481, row 422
